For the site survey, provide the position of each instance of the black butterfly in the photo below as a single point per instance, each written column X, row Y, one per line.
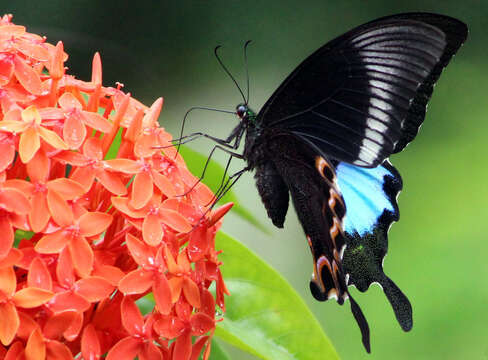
column 325, row 135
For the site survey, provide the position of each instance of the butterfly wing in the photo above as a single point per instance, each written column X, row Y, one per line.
column 362, row 96
column 370, row 197
column 311, row 181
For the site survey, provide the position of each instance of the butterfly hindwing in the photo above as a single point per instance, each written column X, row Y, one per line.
column 370, row 197
column 362, row 96
column 312, row 184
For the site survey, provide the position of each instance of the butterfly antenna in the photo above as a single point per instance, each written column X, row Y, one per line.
column 186, row 115
column 247, row 68
column 228, row 72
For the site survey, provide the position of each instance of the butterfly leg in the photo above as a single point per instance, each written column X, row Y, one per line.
column 232, row 155
column 236, row 135
column 225, row 187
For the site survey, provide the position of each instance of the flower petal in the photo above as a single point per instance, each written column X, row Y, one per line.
column 10, row 322
column 140, row 251
column 150, row 352
column 59, row 209
column 163, row 184
column 96, row 121
column 67, row 188
column 176, row 284
column 94, row 223
column 14, row 201
column 132, row 320
column 112, row 274
column 125, row 166
column 201, row 323
column 32, row 49
column 125, row 349
column 65, row 273
column 90, row 344
column 112, row 183
column 31, row 297
column 175, row 220
column 68, row 102
column 58, row 351
column 52, row 243
column 35, row 348
column 162, row 294
column 52, row 139
column 142, row 190
column 12, row 258
column 92, row 148
column 15, row 350
column 12, row 125
column 169, row 327
column 8, row 281
column 208, row 303
column 39, row 275
column 7, row 154
column 74, row 327
column 72, row 158
column 38, row 217
column 152, row 231
column 27, row 325
column 182, row 350
column 58, row 323
column 122, row 204
column 38, row 168
column 82, row 256
column 198, row 346
column 199, row 243
column 136, row 282
column 27, row 76
column 192, row 293
column 28, row 145
column 68, row 301
column 7, row 238
column 74, row 131
column 6, row 69
column 83, row 176
column 94, row 288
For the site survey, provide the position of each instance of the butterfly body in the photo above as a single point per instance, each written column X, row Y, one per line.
column 324, row 137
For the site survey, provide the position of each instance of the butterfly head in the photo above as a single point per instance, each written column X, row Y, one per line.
column 244, row 113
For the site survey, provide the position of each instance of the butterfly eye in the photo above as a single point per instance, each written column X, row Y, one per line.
column 241, row 111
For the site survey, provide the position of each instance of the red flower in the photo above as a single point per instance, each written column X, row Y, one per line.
column 14, row 206
column 100, row 231
column 140, row 340
column 73, row 235
column 28, row 123
column 151, row 274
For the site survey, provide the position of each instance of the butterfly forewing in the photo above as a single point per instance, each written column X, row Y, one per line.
column 362, row 96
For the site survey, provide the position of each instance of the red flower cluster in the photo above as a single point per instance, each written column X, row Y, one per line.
column 96, row 234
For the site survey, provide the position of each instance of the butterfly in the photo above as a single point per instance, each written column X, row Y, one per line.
column 324, row 138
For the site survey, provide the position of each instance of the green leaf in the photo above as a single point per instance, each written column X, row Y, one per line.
column 114, row 147
column 217, row 352
column 213, row 179
column 265, row 316
column 22, row 234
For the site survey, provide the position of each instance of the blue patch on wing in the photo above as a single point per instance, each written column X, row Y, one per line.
column 371, row 207
column 366, row 196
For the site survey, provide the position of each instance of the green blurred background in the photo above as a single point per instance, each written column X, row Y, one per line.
column 437, row 251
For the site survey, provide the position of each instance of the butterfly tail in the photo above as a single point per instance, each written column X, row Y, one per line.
column 362, row 323
column 399, row 302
